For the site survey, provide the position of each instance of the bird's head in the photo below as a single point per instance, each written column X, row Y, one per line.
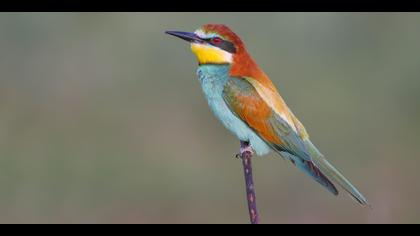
column 212, row 43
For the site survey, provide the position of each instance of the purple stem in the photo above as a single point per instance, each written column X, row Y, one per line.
column 250, row 190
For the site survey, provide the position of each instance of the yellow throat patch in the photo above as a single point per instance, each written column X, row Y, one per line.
column 210, row 55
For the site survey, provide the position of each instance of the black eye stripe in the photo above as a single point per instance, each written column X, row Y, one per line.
column 227, row 46
column 223, row 44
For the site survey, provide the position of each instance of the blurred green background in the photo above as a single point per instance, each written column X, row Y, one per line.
column 102, row 119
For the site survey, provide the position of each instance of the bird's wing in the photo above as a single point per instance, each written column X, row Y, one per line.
column 264, row 111
column 246, row 103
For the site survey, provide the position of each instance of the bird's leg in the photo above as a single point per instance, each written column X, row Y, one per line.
column 245, row 147
column 246, row 154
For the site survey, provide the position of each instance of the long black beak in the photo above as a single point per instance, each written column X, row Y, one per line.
column 187, row 36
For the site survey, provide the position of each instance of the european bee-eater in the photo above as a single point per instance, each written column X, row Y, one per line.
column 248, row 104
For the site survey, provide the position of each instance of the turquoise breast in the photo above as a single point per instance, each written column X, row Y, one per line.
column 213, row 79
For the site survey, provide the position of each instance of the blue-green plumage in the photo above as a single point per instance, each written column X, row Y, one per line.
column 213, row 79
column 249, row 106
column 217, row 84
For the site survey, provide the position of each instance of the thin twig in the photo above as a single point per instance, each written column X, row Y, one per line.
column 250, row 190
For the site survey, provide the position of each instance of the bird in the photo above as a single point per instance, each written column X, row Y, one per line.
column 248, row 104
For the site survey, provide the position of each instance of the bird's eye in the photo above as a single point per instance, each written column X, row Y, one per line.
column 216, row 40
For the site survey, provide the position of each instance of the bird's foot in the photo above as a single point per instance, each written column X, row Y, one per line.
column 245, row 148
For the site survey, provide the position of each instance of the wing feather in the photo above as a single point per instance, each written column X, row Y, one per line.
column 265, row 112
column 246, row 103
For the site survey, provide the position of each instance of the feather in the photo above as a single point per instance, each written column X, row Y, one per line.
column 332, row 173
column 286, row 137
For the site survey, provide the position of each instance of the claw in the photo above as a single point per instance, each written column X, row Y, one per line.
column 246, row 149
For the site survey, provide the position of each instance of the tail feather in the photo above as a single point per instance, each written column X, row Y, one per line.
column 333, row 174
column 311, row 170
